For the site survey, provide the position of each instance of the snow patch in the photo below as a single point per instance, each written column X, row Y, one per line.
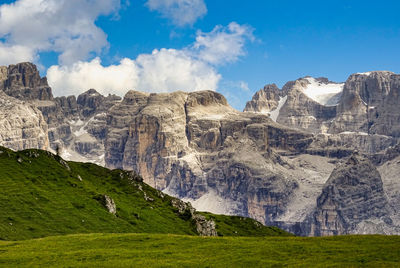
column 76, row 123
column 366, row 73
column 275, row 113
column 325, row 94
column 80, row 132
column 357, row 133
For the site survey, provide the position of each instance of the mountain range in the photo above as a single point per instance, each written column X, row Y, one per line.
column 314, row 158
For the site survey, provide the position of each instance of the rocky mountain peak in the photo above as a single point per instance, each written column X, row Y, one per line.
column 266, row 99
column 135, row 97
column 205, row 98
column 92, row 101
column 23, row 81
column 359, row 113
column 372, row 87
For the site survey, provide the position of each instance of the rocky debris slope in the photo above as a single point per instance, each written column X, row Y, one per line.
column 21, row 125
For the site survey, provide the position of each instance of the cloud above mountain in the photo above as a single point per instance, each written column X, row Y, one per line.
column 192, row 68
column 67, row 27
column 163, row 70
column 180, row 12
column 223, row 44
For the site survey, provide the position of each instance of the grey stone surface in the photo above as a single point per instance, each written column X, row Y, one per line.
column 22, row 125
column 353, row 194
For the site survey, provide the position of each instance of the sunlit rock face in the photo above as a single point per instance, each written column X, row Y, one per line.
column 370, row 104
column 193, row 144
column 22, row 126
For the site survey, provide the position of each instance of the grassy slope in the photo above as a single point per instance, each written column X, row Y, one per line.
column 40, row 197
column 146, row 250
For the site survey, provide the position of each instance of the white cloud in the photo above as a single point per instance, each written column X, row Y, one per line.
column 15, row 54
column 164, row 70
column 170, row 70
column 181, row 12
column 64, row 26
column 81, row 76
column 243, row 85
column 223, row 44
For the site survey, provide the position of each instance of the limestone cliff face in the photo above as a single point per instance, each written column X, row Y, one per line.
column 352, row 195
column 365, row 105
column 78, row 125
column 22, row 126
column 370, row 104
column 190, row 144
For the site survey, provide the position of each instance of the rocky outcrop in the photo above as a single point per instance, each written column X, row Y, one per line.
column 22, row 126
column 204, row 226
column 23, row 81
column 110, row 204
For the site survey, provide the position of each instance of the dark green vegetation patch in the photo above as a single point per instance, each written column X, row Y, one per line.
column 241, row 226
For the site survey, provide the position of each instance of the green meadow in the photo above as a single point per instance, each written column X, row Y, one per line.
column 157, row 250
column 52, row 216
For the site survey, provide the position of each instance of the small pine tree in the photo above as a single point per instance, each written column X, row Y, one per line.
column 58, row 150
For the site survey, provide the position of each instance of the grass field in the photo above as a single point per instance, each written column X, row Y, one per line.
column 152, row 250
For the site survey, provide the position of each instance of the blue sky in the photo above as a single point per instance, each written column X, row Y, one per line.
column 276, row 41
